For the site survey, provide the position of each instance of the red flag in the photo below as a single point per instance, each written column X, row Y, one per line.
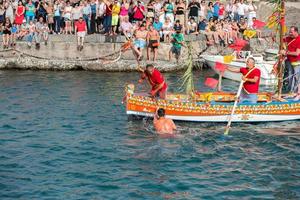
column 282, row 21
column 211, row 82
column 220, row 67
column 257, row 24
column 238, row 45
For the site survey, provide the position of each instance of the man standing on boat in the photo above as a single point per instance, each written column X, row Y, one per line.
column 293, row 60
column 251, row 78
column 156, row 80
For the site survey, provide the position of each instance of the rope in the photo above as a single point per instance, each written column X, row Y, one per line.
column 290, row 76
column 115, row 60
column 5, row 50
column 80, row 59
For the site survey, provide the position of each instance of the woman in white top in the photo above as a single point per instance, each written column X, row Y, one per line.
column 251, row 13
column 242, row 8
column 76, row 14
column 9, row 13
column 67, row 16
column 203, row 9
column 167, row 29
column 161, row 16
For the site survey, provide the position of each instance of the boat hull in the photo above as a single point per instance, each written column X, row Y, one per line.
column 223, row 118
column 213, row 107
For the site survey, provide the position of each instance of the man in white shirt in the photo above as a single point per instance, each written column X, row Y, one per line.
column 101, row 7
column 157, row 7
column 241, row 10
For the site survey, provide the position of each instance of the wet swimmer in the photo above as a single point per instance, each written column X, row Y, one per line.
column 163, row 125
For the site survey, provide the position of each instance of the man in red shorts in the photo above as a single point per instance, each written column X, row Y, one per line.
column 156, row 80
column 251, row 78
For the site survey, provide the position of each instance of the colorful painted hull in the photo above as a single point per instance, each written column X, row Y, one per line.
column 213, row 107
column 267, row 78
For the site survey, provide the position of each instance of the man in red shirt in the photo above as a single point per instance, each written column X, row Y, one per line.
column 293, row 60
column 251, row 78
column 107, row 17
column 156, row 80
column 138, row 11
column 80, row 30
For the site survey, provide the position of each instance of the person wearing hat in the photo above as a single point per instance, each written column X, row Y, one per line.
column 177, row 42
column 80, row 30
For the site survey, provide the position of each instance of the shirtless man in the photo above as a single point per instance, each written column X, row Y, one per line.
column 153, row 42
column 161, row 124
column 140, row 41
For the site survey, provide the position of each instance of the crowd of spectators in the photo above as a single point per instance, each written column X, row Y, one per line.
column 157, row 20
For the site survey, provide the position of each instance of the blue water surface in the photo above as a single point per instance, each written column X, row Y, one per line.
column 65, row 135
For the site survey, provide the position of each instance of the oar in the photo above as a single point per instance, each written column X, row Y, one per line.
column 220, row 82
column 234, row 107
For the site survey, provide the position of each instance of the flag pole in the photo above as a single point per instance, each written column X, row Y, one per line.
column 281, row 47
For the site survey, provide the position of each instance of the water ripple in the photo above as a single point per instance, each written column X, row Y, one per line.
column 65, row 135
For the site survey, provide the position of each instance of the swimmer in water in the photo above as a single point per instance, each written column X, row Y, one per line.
column 161, row 124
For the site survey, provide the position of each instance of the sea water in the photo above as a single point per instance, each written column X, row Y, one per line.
column 65, row 135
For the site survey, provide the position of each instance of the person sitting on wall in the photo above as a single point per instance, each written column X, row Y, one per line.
column 80, row 30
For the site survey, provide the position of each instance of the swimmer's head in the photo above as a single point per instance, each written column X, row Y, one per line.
column 161, row 112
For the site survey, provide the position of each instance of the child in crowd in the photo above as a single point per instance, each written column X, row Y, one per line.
column 45, row 32
column 23, row 31
column 192, row 26
column 6, row 33
column 31, row 32
column 177, row 42
column 14, row 32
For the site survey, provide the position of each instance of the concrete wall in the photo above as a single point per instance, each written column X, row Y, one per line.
column 61, row 52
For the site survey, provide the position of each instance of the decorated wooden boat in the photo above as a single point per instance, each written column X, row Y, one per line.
column 266, row 67
column 211, row 107
column 223, row 106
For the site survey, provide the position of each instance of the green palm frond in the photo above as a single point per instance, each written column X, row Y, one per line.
column 275, row 1
column 188, row 80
